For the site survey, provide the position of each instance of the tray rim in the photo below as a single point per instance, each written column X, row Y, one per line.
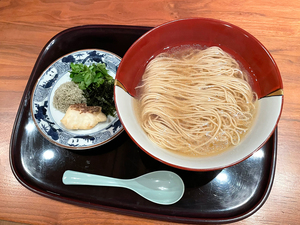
column 26, row 97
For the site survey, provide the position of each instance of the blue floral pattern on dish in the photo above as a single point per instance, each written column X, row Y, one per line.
column 45, row 117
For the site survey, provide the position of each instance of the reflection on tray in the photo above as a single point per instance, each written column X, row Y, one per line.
column 191, row 179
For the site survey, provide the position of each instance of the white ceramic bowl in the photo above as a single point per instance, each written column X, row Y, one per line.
column 210, row 33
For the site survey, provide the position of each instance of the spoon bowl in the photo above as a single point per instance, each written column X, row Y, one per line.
column 161, row 187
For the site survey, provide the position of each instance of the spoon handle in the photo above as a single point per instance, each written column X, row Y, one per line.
column 78, row 178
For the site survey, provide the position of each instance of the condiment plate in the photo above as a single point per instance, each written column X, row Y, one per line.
column 47, row 117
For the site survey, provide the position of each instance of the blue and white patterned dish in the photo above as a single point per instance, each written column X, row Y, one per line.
column 47, row 118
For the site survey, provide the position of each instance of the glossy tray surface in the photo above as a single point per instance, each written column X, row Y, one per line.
column 222, row 196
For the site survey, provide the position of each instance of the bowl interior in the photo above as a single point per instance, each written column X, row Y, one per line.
column 265, row 79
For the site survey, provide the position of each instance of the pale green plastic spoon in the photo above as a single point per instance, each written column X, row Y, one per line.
column 161, row 187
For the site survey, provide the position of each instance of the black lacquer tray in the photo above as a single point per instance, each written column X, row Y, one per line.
column 222, row 196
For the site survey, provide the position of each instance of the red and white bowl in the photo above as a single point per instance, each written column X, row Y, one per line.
column 206, row 32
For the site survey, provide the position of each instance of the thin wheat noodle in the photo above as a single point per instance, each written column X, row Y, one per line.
column 195, row 101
